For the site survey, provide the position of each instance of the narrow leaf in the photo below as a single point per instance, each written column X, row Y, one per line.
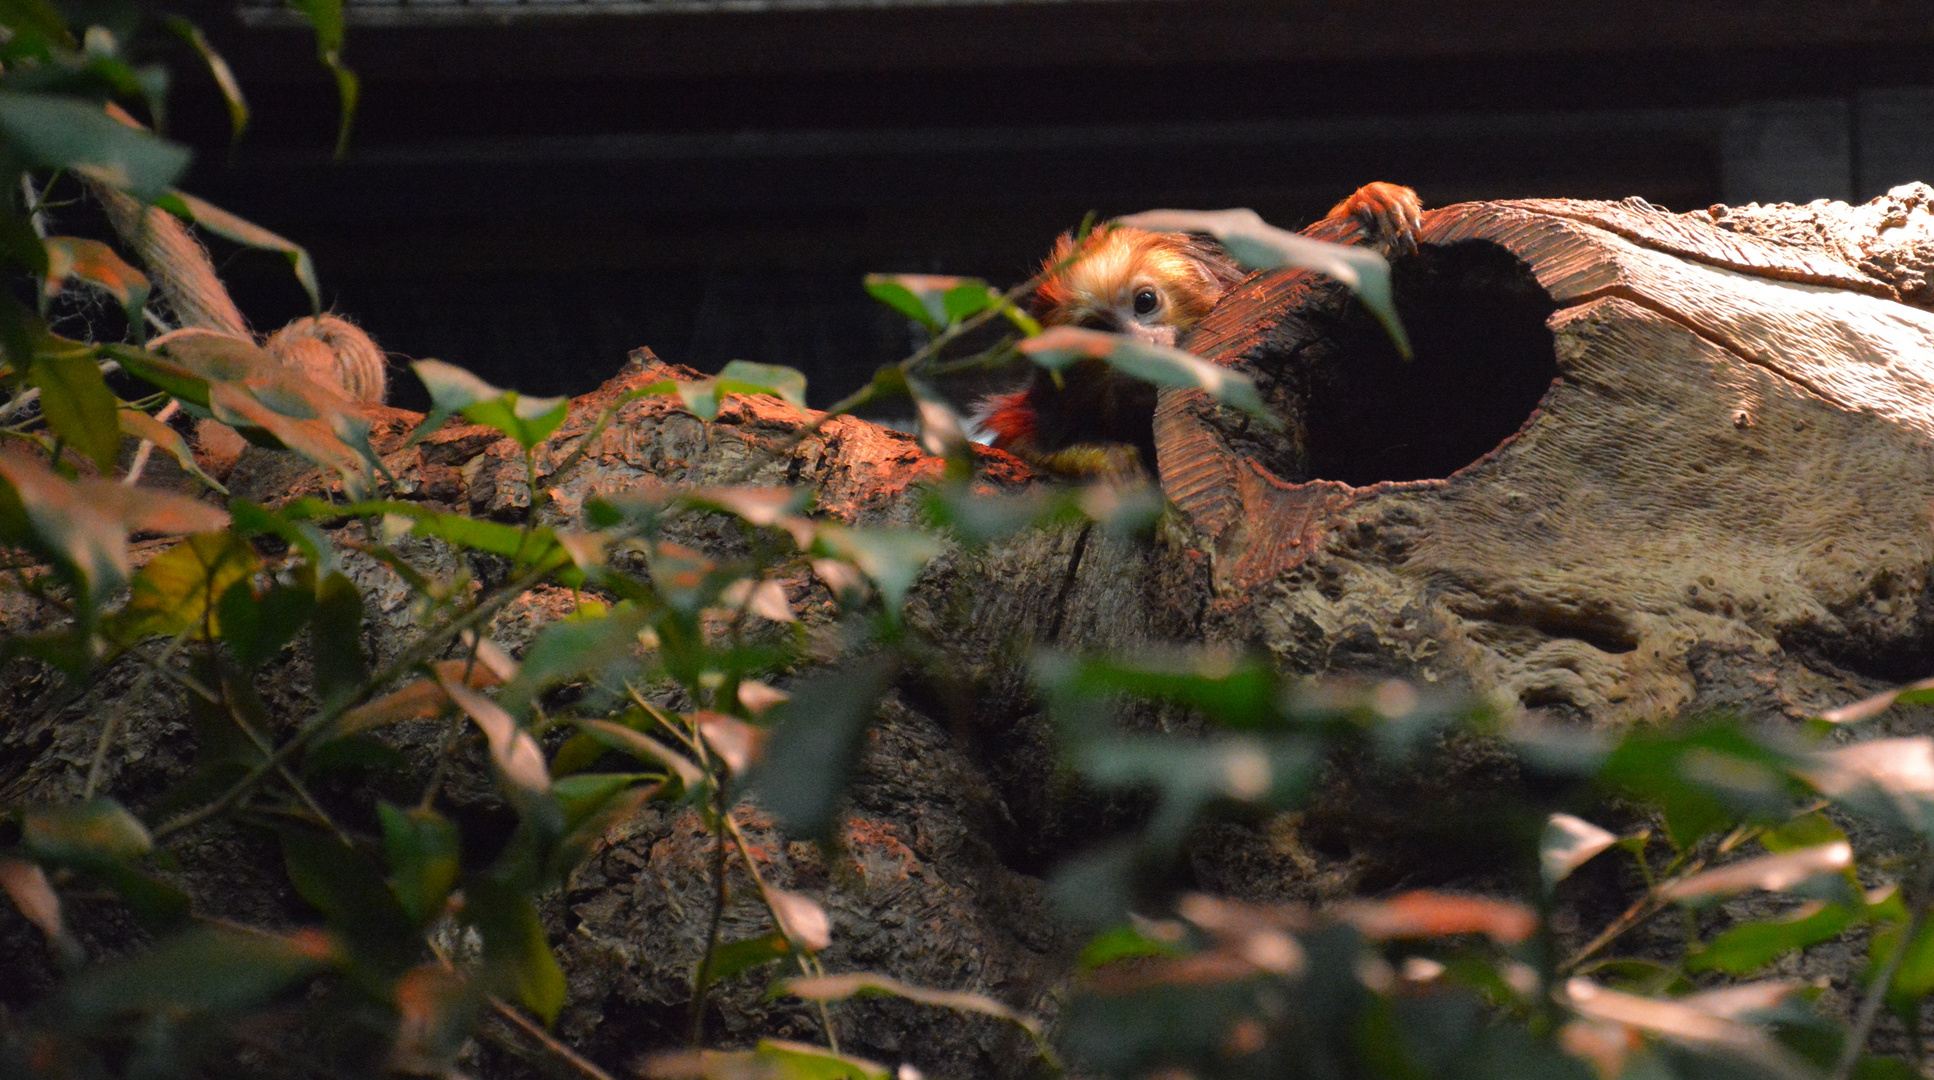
column 745, row 377
column 867, row 983
column 1061, row 346
column 26, row 884
column 815, row 743
column 1775, row 873
column 201, row 971
column 515, row 951
column 78, row 405
column 50, row 131
column 1259, row 245
column 646, row 749
column 217, row 68
column 513, row 750
column 89, row 835
column 96, row 264
column 248, row 234
column 1569, row 842
column 421, row 847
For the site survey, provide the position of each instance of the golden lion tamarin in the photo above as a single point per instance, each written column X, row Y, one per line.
column 1153, row 286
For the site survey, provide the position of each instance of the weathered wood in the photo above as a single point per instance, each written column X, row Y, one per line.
column 1732, row 460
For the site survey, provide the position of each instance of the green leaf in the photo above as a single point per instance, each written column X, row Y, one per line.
column 1122, row 943
column 140, row 425
column 817, row 739
column 438, row 1010
column 892, row 558
column 164, row 373
column 78, row 405
column 568, row 649
column 942, row 432
column 528, row 421
column 1059, row 347
column 358, row 904
column 1889, row 781
column 421, row 847
column 1805, row 831
column 1192, row 774
column 532, row 547
column 35, row 22
column 920, row 297
column 82, row 525
column 968, row 299
column 1259, row 245
column 516, row 956
column 871, row 984
column 158, row 905
column 267, row 402
column 203, row 970
column 53, row 132
column 1703, row 778
column 217, row 68
column 736, row 957
column 255, row 628
column 1234, row 689
column 336, row 637
column 745, row 377
column 326, row 17
column 797, row 1061
column 772, row 1060
column 520, row 762
column 87, row 836
column 1919, row 693
column 646, row 749
column 180, row 589
column 1748, row 947
column 248, row 234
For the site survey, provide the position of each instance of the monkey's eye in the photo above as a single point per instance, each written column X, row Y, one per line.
column 1146, row 301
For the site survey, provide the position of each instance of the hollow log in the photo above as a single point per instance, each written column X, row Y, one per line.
column 1640, row 464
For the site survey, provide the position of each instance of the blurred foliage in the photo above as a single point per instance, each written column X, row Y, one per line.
column 1171, row 982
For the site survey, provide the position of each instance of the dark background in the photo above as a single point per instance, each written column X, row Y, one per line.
column 535, row 188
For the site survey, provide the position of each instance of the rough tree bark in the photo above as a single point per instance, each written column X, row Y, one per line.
column 1642, row 463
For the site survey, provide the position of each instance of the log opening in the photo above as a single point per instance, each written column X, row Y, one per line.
column 1484, row 359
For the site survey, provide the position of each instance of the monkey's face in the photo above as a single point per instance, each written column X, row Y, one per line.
column 1149, row 286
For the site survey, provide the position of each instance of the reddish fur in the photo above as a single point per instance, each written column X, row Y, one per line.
column 1009, row 418
column 1190, row 273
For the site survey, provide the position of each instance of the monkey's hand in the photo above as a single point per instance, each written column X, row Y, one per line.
column 1387, row 216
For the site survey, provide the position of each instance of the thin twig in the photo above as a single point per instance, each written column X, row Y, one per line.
column 111, row 726
column 700, row 977
column 1642, row 909
column 583, row 1065
column 806, row 962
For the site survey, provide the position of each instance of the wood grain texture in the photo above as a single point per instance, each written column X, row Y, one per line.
column 1735, row 460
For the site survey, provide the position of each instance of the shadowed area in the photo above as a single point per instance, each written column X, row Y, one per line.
column 1483, row 359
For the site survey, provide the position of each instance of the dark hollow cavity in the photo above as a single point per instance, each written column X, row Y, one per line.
column 1483, row 359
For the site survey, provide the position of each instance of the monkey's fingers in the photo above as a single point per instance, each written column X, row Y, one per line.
column 1388, row 214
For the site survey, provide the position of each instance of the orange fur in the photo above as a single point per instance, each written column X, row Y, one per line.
column 1152, row 286
column 1112, row 265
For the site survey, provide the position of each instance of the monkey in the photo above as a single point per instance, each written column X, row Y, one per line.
column 1153, row 287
